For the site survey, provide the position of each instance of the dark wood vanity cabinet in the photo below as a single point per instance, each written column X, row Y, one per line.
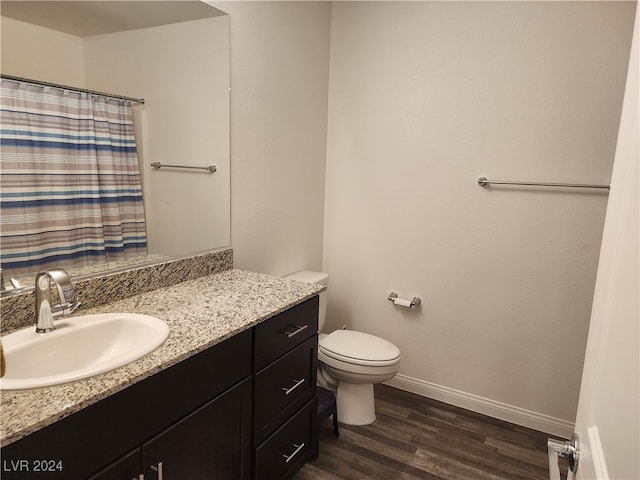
column 212, row 442
column 128, row 467
column 285, row 404
column 244, row 408
column 190, row 397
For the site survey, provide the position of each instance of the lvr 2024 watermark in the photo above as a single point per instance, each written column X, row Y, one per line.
column 32, row 465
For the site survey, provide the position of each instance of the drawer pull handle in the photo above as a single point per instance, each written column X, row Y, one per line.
column 291, row 331
column 158, row 469
column 288, row 458
column 287, row 391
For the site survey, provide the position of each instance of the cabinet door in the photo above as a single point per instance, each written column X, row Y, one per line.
column 128, row 467
column 212, row 442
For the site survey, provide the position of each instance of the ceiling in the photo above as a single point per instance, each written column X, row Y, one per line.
column 86, row 18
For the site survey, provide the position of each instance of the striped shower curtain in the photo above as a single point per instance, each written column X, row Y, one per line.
column 70, row 191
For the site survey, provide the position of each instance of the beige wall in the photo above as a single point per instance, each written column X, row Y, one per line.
column 425, row 97
column 35, row 52
column 279, row 82
column 182, row 71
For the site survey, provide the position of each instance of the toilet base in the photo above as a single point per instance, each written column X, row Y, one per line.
column 356, row 404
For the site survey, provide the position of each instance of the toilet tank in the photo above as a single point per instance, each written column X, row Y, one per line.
column 319, row 278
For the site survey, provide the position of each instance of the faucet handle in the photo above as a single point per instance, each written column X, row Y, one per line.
column 45, row 309
column 66, row 290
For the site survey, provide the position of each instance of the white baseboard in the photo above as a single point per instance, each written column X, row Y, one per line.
column 486, row 406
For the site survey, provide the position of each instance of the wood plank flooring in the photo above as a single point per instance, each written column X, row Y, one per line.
column 419, row 438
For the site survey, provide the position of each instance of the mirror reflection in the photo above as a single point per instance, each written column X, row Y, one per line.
column 175, row 55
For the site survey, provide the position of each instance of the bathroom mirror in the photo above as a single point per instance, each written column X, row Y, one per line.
column 175, row 55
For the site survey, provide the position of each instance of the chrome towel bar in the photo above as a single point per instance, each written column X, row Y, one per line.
column 483, row 182
column 210, row 168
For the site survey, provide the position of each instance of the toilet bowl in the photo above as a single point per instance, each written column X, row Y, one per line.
column 351, row 362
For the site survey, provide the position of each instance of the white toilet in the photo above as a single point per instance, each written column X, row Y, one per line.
column 350, row 362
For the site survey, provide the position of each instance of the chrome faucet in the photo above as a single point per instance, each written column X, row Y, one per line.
column 45, row 310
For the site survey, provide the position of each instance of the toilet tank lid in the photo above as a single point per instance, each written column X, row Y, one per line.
column 308, row 276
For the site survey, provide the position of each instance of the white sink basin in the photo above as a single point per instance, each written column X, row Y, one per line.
column 79, row 347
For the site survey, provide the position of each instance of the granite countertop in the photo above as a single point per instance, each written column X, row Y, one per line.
column 200, row 313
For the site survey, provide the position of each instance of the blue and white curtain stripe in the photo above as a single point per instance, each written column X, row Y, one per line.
column 70, row 191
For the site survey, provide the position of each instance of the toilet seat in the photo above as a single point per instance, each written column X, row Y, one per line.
column 358, row 348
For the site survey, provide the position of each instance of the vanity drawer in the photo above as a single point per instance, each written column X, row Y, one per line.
column 285, row 331
column 289, row 447
column 284, row 386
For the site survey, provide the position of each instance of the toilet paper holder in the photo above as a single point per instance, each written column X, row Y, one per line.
column 393, row 297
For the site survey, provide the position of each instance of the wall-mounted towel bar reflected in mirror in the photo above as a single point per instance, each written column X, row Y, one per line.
column 158, row 166
column 483, row 182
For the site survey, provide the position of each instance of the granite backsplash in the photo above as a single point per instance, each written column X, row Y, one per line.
column 17, row 310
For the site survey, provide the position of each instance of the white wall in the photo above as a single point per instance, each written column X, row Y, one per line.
column 425, row 97
column 182, row 71
column 30, row 51
column 279, row 83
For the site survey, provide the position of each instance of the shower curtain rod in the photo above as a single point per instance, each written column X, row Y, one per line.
column 75, row 89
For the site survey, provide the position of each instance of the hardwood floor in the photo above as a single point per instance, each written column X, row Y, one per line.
column 418, row 438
